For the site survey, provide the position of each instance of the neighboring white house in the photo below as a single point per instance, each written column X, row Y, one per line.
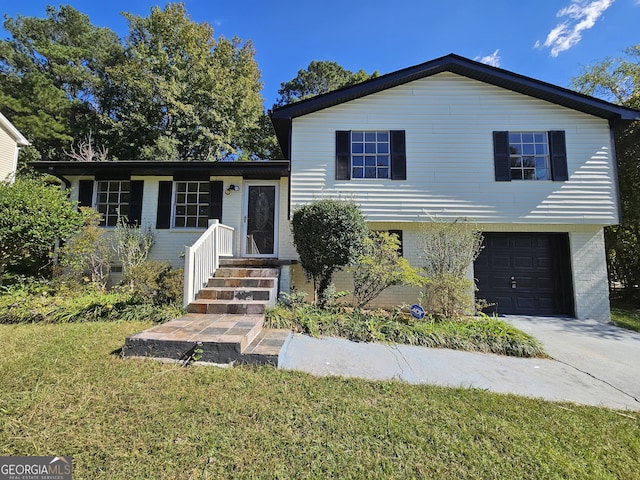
column 11, row 140
column 533, row 164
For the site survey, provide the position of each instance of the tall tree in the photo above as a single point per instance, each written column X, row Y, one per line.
column 53, row 76
column 182, row 95
column 618, row 80
column 318, row 78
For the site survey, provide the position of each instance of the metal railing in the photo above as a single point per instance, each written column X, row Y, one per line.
column 203, row 258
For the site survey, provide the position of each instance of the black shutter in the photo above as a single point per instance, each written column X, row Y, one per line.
column 343, row 155
column 215, row 200
column 558, row 156
column 163, row 218
column 398, row 155
column 85, row 193
column 501, row 160
column 135, row 202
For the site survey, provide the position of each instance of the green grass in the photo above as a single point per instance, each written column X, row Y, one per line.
column 628, row 318
column 64, row 392
column 481, row 334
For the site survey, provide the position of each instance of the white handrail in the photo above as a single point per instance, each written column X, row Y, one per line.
column 202, row 259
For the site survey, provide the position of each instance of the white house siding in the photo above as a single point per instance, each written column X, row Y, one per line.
column 588, row 265
column 8, row 155
column 170, row 243
column 449, row 120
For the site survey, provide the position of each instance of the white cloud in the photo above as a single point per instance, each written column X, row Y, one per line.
column 580, row 15
column 493, row 59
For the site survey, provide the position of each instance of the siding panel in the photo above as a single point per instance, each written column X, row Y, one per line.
column 449, row 122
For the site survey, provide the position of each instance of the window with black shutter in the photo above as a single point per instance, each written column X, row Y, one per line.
column 530, row 156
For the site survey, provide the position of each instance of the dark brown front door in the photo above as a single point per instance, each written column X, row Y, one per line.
column 525, row 274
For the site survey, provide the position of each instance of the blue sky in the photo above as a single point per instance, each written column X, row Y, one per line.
column 550, row 40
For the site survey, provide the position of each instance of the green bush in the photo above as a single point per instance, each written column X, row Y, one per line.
column 156, row 282
column 379, row 267
column 447, row 249
column 328, row 235
column 86, row 257
column 43, row 302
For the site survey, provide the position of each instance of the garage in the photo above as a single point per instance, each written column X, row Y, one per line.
column 525, row 274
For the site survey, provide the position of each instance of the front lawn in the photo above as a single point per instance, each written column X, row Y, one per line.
column 64, row 391
column 475, row 334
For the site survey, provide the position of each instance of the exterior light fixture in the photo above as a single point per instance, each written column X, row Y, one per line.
column 231, row 187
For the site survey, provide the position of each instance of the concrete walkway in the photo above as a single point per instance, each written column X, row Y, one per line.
column 597, row 363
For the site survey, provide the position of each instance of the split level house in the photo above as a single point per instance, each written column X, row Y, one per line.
column 531, row 163
column 11, row 140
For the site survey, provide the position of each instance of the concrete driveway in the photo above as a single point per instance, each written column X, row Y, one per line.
column 596, row 363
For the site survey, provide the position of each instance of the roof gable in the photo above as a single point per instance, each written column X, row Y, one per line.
column 282, row 117
column 13, row 132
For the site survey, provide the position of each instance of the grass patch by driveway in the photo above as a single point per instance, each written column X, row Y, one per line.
column 64, row 392
column 474, row 334
column 628, row 318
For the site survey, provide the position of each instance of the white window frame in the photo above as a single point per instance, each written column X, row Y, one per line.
column 199, row 217
column 112, row 210
column 537, row 156
column 377, row 156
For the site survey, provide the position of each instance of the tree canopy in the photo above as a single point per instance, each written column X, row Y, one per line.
column 169, row 91
column 318, row 78
column 618, row 80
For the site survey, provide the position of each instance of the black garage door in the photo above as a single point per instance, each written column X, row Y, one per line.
column 525, row 274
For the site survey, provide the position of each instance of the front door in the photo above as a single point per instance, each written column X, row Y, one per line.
column 260, row 236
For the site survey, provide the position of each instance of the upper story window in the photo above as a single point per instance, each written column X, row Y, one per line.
column 113, row 201
column 370, row 154
column 191, row 204
column 529, row 155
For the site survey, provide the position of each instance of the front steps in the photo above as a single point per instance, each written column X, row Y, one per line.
column 221, row 339
column 223, row 325
column 239, row 291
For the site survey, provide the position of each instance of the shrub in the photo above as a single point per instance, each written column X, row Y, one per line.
column 34, row 216
column 86, row 257
column 379, row 267
column 447, row 249
column 328, row 235
column 131, row 245
column 157, row 282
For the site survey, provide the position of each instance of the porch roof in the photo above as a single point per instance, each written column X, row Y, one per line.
column 267, row 170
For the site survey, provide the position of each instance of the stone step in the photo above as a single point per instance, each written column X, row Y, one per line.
column 246, row 272
column 255, row 262
column 246, row 282
column 266, row 347
column 234, row 307
column 235, row 293
column 221, row 338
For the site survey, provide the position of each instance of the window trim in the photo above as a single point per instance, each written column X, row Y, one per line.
column 174, row 205
column 96, row 201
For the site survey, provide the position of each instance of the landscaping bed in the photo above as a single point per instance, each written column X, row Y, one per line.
column 476, row 334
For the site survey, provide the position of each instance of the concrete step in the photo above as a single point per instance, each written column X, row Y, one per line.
column 235, row 293
column 234, row 307
column 246, row 282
